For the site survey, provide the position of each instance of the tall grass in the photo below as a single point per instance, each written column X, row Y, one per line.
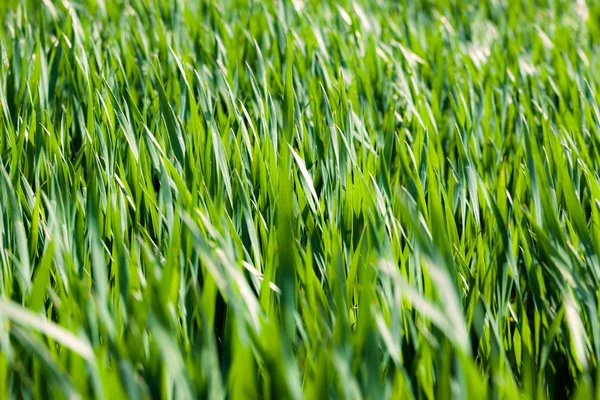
column 299, row 199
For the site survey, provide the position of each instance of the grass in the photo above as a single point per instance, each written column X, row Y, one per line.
column 299, row 199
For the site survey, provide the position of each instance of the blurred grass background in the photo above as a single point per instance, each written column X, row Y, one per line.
column 299, row 199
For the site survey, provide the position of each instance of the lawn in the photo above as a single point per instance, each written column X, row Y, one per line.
column 289, row 199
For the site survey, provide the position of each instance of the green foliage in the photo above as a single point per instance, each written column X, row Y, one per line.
column 299, row 199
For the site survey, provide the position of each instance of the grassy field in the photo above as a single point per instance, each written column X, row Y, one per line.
column 299, row 199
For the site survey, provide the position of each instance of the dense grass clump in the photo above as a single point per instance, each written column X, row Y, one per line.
column 299, row 199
